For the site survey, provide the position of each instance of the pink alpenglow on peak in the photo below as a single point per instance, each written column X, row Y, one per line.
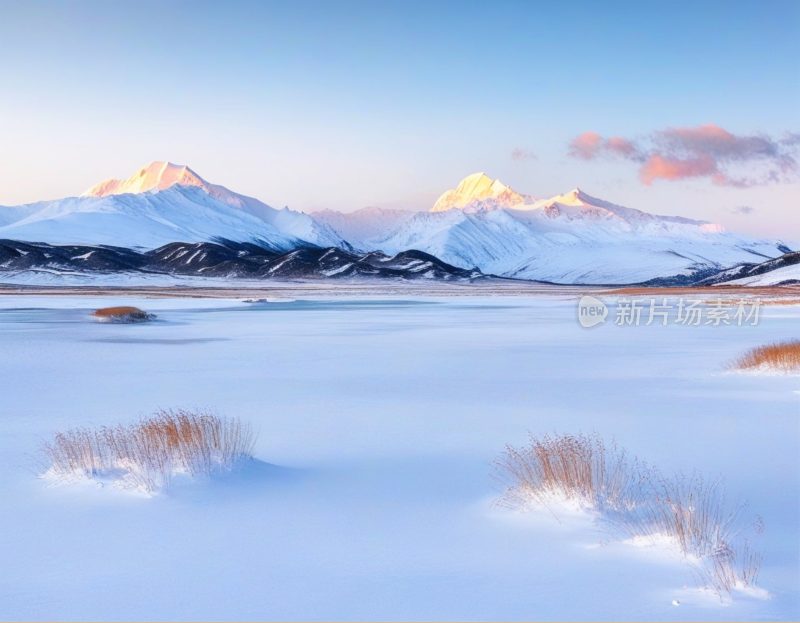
column 480, row 191
column 156, row 175
column 161, row 176
column 162, row 203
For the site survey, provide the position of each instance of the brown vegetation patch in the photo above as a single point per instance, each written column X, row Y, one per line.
column 634, row 501
column 778, row 357
column 123, row 310
column 122, row 313
column 762, row 292
column 148, row 453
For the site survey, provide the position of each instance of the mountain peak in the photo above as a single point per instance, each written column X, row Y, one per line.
column 159, row 175
column 574, row 197
column 479, row 190
column 156, row 175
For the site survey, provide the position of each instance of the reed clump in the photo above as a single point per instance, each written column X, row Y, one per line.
column 122, row 314
column 147, row 453
column 634, row 500
column 781, row 357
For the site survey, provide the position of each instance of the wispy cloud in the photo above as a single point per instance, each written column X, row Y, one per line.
column 707, row 151
column 522, row 154
column 587, row 146
column 659, row 167
column 743, row 210
column 621, row 147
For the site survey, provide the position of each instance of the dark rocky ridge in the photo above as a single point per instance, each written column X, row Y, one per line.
column 227, row 259
column 241, row 260
column 752, row 270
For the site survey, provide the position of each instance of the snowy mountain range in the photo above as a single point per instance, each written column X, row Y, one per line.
column 159, row 204
column 480, row 225
column 363, row 225
column 568, row 239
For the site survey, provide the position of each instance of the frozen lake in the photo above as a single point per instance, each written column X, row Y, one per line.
column 371, row 496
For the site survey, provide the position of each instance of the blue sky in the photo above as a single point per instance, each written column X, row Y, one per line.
column 347, row 104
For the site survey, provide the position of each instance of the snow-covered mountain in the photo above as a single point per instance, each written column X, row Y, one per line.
column 478, row 191
column 162, row 203
column 160, row 176
column 365, row 226
column 570, row 238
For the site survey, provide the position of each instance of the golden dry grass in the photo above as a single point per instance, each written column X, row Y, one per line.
column 579, row 468
column 725, row 291
column 149, row 452
column 749, row 301
column 781, row 302
column 110, row 312
column 779, row 357
column 634, row 500
column 122, row 314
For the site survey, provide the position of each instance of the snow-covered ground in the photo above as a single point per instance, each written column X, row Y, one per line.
column 371, row 496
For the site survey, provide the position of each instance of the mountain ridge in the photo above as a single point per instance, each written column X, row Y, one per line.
column 226, row 259
column 160, row 203
column 569, row 238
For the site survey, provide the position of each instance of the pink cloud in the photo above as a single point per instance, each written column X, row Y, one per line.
column 590, row 145
column 587, row 146
column 621, row 147
column 707, row 151
column 704, row 133
column 717, row 142
column 661, row 168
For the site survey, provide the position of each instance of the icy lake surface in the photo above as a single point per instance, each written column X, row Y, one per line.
column 371, row 496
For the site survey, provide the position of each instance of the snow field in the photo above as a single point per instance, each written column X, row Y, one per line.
column 370, row 494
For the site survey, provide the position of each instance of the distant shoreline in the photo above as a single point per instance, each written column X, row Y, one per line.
column 775, row 294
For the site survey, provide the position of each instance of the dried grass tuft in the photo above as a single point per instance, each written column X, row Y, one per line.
column 580, row 468
column 635, row 501
column 778, row 357
column 148, row 453
column 122, row 314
